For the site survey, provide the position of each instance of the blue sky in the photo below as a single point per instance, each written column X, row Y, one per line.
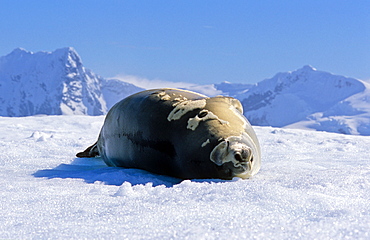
column 203, row 41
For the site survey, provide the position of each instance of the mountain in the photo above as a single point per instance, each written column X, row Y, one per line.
column 233, row 89
column 114, row 90
column 349, row 116
column 308, row 98
column 52, row 83
column 55, row 83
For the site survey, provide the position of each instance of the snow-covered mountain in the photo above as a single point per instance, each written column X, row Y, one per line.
column 233, row 89
column 308, row 98
column 114, row 90
column 53, row 83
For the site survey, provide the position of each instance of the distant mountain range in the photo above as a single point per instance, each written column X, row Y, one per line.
column 56, row 83
column 307, row 98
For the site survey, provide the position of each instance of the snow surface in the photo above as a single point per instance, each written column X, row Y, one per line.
column 312, row 185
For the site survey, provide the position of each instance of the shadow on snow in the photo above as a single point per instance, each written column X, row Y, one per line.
column 94, row 169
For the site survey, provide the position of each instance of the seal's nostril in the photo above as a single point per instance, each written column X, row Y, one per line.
column 202, row 114
column 238, row 157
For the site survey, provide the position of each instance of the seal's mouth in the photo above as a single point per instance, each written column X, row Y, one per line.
column 235, row 155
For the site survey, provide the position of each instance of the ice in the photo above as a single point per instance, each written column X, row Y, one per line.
column 312, row 185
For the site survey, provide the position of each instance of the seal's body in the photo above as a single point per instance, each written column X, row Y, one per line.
column 179, row 133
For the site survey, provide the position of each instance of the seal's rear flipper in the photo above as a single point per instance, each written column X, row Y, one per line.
column 90, row 152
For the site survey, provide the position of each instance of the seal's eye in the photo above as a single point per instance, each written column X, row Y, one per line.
column 202, row 114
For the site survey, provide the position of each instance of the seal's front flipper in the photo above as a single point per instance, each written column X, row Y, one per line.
column 90, row 152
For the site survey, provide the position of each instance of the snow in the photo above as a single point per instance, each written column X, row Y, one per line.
column 312, row 185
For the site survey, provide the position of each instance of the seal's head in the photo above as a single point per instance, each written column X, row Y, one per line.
column 237, row 152
column 237, row 156
column 217, row 141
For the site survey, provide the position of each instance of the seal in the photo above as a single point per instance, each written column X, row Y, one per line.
column 179, row 133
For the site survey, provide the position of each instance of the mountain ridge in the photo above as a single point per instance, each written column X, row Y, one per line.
column 50, row 83
column 55, row 83
column 308, row 98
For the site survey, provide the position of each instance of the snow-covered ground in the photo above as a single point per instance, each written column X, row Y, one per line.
column 312, row 185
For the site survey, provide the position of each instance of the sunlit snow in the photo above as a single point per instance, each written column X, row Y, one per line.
column 311, row 185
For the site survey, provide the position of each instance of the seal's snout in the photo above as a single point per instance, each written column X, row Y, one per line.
column 243, row 155
column 233, row 152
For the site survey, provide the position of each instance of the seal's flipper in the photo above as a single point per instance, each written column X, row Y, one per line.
column 90, row 152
